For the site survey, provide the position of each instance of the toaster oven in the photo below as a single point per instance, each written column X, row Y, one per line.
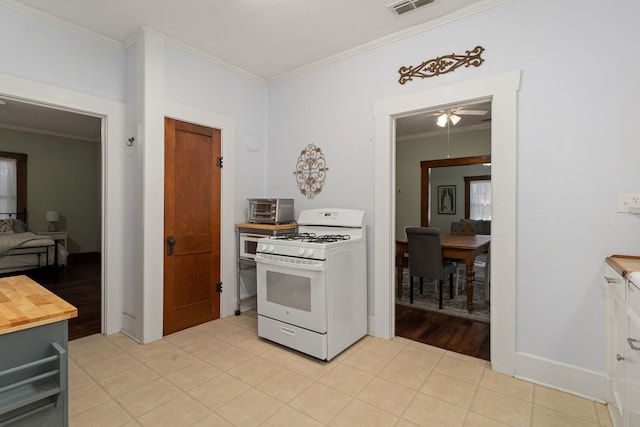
column 270, row 211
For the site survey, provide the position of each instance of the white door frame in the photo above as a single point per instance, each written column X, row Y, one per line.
column 112, row 148
column 502, row 89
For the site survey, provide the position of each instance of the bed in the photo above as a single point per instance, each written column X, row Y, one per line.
column 21, row 249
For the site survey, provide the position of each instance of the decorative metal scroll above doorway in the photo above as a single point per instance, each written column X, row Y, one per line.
column 441, row 65
column 311, row 170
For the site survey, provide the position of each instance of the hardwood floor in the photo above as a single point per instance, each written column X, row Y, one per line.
column 452, row 333
column 78, row 283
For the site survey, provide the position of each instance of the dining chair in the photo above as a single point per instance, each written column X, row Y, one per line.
column 467, row 228
column 425, row 259
column 483, row 226
column 481, row 263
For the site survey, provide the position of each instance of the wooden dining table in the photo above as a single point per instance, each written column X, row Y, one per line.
column 454, row 246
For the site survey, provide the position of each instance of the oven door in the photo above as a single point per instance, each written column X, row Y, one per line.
column 292, row 290
column 249, row 245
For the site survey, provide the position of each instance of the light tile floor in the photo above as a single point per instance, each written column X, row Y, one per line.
column 221, row 374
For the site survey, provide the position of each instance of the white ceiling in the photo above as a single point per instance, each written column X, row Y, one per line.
column 424, row 124
column 23, row 116
column 267, row 40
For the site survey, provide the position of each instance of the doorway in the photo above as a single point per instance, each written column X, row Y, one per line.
column 63, row 150
column 419, row 137
column 502, row 89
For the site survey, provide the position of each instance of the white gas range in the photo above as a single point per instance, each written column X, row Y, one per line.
column 312, row 286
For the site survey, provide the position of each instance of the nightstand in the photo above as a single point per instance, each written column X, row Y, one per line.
column 59, row 236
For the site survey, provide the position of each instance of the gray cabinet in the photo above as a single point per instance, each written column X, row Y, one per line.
column 33, row 376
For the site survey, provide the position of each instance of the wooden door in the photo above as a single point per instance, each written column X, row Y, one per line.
column 191, row 225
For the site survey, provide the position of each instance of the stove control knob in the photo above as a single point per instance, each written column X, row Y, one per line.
column 271, row 248
column 262, row 247
column 301, row 251
column 309, row 252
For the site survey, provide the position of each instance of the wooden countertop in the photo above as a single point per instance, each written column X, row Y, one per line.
column 271, row 227
column 25, row 304
column 624, row 264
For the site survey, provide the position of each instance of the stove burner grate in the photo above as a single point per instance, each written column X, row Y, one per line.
column 312, row 238
column 329, row 238
column 295, row 236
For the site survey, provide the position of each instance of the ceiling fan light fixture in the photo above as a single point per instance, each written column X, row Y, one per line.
column 454, row 119
column 442, row 120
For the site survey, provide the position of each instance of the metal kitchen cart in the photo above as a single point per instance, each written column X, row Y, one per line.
column 243, row 262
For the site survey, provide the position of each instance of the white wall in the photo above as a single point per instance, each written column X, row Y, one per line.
column 201, row 84
column 47, row 64
column 52, row 55
column 571, row 160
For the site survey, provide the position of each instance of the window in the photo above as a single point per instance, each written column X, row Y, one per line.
column 478, row 197
column 480, row 200
column 8, row 185
column 13, row 183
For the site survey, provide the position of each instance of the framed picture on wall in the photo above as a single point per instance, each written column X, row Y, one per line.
column 447, row 199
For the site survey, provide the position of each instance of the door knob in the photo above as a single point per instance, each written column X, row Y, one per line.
column 171, row 241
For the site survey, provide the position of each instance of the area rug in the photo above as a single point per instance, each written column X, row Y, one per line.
column 453, row 307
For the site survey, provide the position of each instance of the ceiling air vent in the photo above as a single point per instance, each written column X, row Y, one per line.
column 404, row 6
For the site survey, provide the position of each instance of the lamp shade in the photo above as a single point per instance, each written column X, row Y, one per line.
column 53, row 216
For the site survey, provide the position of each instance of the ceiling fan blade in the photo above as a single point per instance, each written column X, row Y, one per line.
column 470, row 112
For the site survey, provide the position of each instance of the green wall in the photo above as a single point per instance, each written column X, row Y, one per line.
column 63, row 175
column 409, row 154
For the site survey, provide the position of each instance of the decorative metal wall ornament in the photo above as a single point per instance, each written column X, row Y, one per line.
column 441, row 65
column 311, row 170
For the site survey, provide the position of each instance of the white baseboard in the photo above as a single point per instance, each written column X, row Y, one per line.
column 371, row 329
column 567, row 378
column 549, row 373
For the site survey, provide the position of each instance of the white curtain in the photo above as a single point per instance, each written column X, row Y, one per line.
column 8, row 186
column 480, row 200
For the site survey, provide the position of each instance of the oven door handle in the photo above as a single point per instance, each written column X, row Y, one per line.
column 291, row 262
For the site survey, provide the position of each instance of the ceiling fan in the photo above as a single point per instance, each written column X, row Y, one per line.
column 453, row 115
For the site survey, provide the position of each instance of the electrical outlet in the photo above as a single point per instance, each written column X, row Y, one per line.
column 629, row 202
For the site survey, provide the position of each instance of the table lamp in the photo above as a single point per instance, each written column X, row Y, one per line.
column 53, row 217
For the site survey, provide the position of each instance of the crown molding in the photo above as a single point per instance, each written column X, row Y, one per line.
column 43, row 16
column 130, row 41
column 48, row 132
column 400, row 35
column 195, row 52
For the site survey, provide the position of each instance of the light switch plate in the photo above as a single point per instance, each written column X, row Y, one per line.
column 629, row 202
